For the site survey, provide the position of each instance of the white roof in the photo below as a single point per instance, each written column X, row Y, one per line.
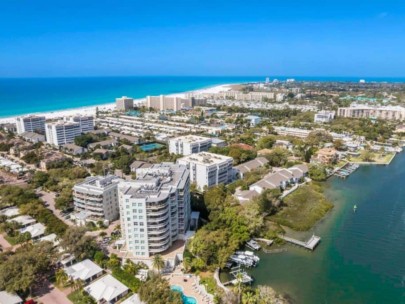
column 133, row 300
column 205, row 158
column 83, row 270
column 35, row 230
column 9, row 298
column 50, row 238
column 10, row 212
column 23, row 220
column 107, row 288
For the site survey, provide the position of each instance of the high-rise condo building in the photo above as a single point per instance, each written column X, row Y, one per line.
column 189, row 144
column 30, row 123
column 97, row 197
column 124, row 103
column 208, row 169
column 86, row 122
column 62, row 132
column 155, row 208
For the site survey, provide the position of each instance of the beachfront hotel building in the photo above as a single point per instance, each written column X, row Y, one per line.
column 189, row 144
column 30, row 123
column 234, row 95
column 61, row 132
column 155, row 208
column 96, row 198
column 124, row 103
column 365, row 111
column 208, row 169
column 86, row 122
column 168, row 103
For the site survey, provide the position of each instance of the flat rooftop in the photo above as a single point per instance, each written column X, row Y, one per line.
column 206, row 158
column 191, row 138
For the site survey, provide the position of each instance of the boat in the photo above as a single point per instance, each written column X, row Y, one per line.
column 354, row 208
column 252, row 244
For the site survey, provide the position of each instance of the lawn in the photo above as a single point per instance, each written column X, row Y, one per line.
column 377, row 158
column 303, row 208
column 80, row 297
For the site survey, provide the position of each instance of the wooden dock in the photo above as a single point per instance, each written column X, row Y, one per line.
column 310, row 244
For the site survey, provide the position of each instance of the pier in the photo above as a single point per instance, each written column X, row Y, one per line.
column 346, row 170
column 310, row 244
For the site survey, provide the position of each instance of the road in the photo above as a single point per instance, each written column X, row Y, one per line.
column 49, row 199
column 49, row 294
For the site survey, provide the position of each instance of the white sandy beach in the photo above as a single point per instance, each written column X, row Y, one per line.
column 91, row 110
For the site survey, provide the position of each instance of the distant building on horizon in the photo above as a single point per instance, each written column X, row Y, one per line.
column 30, row 123
column 373, row 112
column 124, row 103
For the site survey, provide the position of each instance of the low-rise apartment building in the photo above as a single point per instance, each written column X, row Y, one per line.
column 189, row 144
column 365, row 111
column 324, row 116
column 208, row 169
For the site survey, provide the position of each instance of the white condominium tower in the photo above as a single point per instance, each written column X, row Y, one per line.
column 208, row 169
column 62, row 132
column 30, row 123
column 86, row 122
column 155, row 208
column 189, row 144
column 97, row 196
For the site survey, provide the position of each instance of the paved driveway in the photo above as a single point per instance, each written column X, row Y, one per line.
column 49, row 199
column 49, row 294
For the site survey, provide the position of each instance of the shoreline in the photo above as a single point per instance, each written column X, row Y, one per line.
column 91, row 110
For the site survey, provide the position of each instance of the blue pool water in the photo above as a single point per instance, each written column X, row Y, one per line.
column 186, row 300
column 150, row 147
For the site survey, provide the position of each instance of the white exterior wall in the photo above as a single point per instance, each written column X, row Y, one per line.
column 86, row 123
column 151, row 222
column 182, row 146
column 101, row 201
column 30, row 124
column 58, row 134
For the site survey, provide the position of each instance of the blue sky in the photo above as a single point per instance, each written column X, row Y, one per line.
column 301, row 38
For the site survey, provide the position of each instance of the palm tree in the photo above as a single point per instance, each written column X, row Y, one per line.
column 77, row 285
column 239, row 280
column 248, row 298
column 158, row 262
column 61, row 278
column 130, row 267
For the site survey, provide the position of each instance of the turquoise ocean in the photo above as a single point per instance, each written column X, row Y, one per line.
column 33, row 95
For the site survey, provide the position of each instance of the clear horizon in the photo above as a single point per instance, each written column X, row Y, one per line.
column 202, row 38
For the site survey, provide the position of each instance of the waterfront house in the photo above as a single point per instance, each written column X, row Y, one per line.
column 325, row 156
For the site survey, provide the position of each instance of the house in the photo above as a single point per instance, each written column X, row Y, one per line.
column 73, row 149
column 9, row 298
column 53, row 238
column 36, row 230
column 249, row 166
column 10, row 212
column 283, row 144
column 216, row 142
column 108, row 143
column 299, row 172
column 138, row 164
column 254, row 120
column 132, row 139
column 134, row 299
column 50, row 159
column 33, row 137
column 245, row 195
column 325, row 156
column 85, row 271
column 23, row 220
column 102, row 152
column 107, row 290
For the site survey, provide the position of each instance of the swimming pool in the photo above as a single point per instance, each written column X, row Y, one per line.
column 186, row 300
column 150, row 147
